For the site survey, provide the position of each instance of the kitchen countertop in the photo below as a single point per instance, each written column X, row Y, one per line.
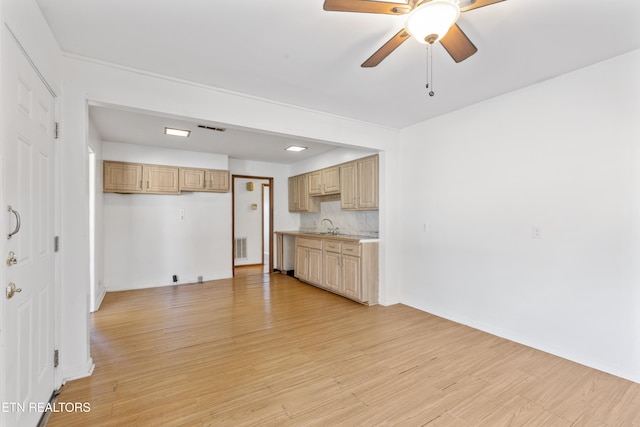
column 320, row 235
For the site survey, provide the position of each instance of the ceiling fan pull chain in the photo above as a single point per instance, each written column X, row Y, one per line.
column 431, row 68
column 429, row 84
column 426, row 68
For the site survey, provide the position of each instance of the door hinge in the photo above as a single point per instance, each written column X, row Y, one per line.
column 56, row 244
column 57, row 130
column 56, row 358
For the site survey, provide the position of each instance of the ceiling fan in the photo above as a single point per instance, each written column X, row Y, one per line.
column 428, row 21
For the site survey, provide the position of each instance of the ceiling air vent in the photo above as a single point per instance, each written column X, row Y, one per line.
column 212, row 128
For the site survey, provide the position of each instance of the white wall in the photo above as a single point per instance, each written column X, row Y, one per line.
column 564, row 156
column 146, row 243
column 247, row 221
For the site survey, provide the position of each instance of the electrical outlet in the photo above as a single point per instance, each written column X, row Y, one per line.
column 181, row 214
column 175, row 278
column 199, row 279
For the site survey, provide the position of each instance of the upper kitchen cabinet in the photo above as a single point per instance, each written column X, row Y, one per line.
column 161, row 179
column 325, row 181
column 359, row 184
column 119, row 177
column 217, row 180
column 299, row 200
column 213, row 180
column 123, row 177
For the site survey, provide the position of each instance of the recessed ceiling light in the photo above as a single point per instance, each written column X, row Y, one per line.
column 177, row 132
column 295, row 148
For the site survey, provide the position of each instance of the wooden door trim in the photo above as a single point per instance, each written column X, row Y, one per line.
column 233, row 218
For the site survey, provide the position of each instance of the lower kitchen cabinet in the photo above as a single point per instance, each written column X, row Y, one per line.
column 342, row 269
column 308, row 264
column 332, row 273
column 347, row 268
column 351, row 280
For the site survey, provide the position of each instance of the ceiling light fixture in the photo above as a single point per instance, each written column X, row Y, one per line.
column 177, row 132
column 295, row 148
column 430, row 21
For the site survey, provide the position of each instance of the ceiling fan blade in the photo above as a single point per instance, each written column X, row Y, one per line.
column 386, row 49
column 367, row 6
column 457, row 44
column 478, row 3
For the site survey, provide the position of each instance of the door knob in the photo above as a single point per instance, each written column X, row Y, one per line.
column 11, row 259
column 12, row 290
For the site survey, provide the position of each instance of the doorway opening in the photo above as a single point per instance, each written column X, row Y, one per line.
column 252, row 228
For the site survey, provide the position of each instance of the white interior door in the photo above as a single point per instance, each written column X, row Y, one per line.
column 27, row 371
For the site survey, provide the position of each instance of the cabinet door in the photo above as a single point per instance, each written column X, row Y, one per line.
column 348, row 185
column 161, row 179
column 302, row 264
column 351, row 280
column 121, row 177
column 217, row 180
column 293, row 194
column 315, row 183
column 331, row 180
column 192, row 179
column 332, row 276
column 303, row 193
column 315, row 266
column 368, row 183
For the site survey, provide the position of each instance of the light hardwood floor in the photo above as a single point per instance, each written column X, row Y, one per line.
column 268, row 350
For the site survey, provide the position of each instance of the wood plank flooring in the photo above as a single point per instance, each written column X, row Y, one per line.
column 268, row 350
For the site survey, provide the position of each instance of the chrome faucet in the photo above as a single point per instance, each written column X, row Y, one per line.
column 330, row 229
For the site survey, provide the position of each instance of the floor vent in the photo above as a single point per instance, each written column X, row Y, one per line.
column 241, row 248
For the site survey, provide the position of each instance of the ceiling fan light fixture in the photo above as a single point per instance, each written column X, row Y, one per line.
column 430, row 21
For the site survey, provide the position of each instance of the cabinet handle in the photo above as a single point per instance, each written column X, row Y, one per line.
column 148, row 186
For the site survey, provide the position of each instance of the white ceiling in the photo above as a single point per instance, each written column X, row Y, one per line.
column 293, row 51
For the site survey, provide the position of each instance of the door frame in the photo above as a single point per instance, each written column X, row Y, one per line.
column 233, row 219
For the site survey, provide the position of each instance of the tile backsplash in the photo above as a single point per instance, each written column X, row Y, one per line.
column 364, row 223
